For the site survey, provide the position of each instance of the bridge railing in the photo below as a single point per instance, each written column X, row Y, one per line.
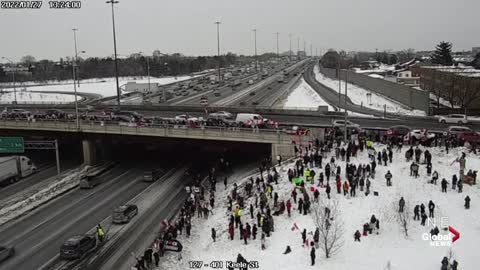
column 161, row 130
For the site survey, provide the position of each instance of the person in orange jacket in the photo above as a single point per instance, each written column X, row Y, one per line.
column 345, row 188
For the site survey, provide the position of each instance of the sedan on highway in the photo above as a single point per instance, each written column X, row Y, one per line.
column 6, row 253
column 77, row 245
column 419, row 134
column 341, row 123
column 220, row 114
column 124, row 213
column 455, row 130
column 453, row 119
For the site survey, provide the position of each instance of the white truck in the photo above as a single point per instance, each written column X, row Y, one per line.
column 13, row 168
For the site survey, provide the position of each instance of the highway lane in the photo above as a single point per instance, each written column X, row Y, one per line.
column 43, row 173
column 38, row 236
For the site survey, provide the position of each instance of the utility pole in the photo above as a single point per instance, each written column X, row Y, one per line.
column 14, row 67
column 74, row 67
column 345, row 98
column 113, row 2
column 218, row 48
column 256, row 58
column 311, row 50
column 290, row 50
column 304, row 48
column 278, row 52
column 298, row 44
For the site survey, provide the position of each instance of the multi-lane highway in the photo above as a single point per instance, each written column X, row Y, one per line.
column 38, row 236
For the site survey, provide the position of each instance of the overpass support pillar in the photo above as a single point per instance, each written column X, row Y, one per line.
column 285, row 150
column 89, row 152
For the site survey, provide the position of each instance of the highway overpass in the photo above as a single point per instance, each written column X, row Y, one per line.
column 280, row 141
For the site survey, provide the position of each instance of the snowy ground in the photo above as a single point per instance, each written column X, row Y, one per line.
column 105, row 86
column 305, row 97
column 359, row 96
column 34, row 97
column 390, row 246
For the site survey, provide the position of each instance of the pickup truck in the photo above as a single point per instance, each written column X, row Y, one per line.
column 90, row 180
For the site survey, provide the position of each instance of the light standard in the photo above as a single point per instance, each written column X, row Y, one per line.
column 74, row 70
column 14, row 68
column 218, row 47
column 290, row 50
column 278, row 53
column 148, row 72
column 345, row 99
column 113, row 2
column 256, row 59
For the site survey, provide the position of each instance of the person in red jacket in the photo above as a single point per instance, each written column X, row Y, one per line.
column 345, row 188
column 289, row 207
column 339, row 184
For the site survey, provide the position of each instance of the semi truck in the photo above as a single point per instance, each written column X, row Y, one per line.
column 13, row 168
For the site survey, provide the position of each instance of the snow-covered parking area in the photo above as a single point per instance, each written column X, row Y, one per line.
column 389, row 249
column 106, row 87
column 35, row 97
column 368, row 99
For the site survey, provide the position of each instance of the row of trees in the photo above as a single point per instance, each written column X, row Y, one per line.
column 135, row 65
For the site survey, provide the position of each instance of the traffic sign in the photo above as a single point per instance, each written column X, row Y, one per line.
column 12, row 145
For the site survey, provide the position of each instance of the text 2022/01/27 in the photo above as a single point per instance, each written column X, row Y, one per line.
column 39, row 4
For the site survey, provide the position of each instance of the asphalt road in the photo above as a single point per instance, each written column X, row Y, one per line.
column 44, row 172
column 38, row 236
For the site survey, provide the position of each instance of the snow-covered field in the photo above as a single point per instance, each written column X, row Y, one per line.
column 389, row 247
column 305, row 97
column 34, row 97
column 359, row 96
column 105, row 87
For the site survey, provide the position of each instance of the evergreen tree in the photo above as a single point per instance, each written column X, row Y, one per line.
column 330, row 59
column 443, row 54
column 476, row 61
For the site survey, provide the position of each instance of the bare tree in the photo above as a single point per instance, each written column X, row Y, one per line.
column 403, row 218
column 330, row 226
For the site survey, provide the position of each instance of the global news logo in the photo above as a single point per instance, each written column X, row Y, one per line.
column 438, row 239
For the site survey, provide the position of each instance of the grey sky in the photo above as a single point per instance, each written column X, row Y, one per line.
column 186, row 26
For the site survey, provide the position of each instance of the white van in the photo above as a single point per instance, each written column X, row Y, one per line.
column 249, row 119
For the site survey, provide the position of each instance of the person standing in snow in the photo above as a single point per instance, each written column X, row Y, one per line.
column 401, row 205
column 424, row 218
column 368, row 187
column 388, row 176
column 289, row 207
column 300, row 205
column 312, row 255
column 416, row 212
column 304, row 236
column 429, row 169
column 345, row 188
column 431, row 208
column 328, row 189
column 263, row 242
column 444, row 185
column 316, row 193
column 231, row 231
column 390, row 154
column 434, row 177
column 467, row 202
column 294, row 195
column 214, row 234
column 254, row 231
column 454, row 181
column 357, row 236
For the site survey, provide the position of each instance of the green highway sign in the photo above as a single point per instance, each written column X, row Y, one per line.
column 12, row 145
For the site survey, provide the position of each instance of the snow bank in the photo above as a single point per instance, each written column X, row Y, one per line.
column 389, row 247
column 359, row 96
column 34, row 97
column 19, row 205
column 305, row 97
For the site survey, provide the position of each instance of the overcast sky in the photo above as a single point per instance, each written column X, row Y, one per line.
column 187, row 26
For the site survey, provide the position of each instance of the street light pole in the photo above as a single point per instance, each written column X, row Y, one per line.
column 148, row 71
column 345, row 99
column 113, row 2
column 290, row 50
column 218, row 47
column 256, row 59
column 74, row 66
column 14, row 67
column 278, row 52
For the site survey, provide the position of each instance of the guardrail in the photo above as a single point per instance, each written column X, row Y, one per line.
column 155, row 130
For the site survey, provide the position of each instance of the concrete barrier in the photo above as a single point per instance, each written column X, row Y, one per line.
column 410, row 97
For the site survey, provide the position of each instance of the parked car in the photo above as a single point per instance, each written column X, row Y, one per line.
column 455, row 130
column 341, row 123
column 453, row 119
column 15, row 113
column 55, row 113
column 469, row 136
column 6, row 252
column 217, row 93
column 249, row 119
column 398, row 131
column 419, row 134
column 124, row 213
column 121, row 115
column 220, row 114
column 77, row 245
column 296, row 130
column 183, row 117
